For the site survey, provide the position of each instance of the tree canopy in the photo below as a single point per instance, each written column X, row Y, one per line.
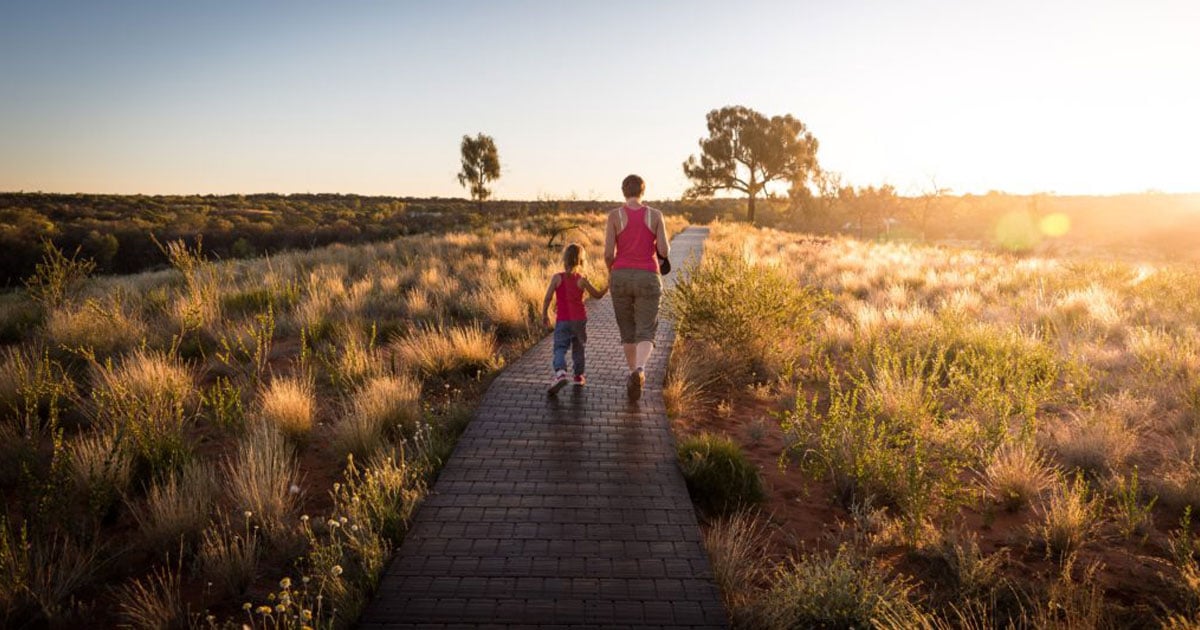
column 745, row 151
column 480, row 165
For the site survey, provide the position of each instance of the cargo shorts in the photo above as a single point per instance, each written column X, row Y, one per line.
column 636, row 294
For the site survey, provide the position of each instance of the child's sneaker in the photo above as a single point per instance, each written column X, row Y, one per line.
column 560, row 381
column 580, row 380
column 633, row 388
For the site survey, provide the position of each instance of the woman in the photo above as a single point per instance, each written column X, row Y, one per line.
column 633, row 240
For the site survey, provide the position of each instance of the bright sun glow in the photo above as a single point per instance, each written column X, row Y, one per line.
column 1056, row 224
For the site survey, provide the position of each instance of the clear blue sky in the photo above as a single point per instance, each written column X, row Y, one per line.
column 373, row 97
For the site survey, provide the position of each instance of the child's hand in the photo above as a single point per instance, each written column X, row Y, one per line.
column 546, row 321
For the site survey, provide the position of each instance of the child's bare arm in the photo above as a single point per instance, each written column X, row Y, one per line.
column 591, row 289
column 549, row 296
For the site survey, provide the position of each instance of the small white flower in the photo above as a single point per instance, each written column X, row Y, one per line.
column 295, row 489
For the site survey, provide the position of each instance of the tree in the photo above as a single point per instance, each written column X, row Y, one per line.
column 480, row 165
column 745, row 151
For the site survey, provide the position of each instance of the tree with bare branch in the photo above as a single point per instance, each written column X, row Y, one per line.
column 745, row 151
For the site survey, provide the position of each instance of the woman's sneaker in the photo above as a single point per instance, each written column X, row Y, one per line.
column 580, row 380
column 633, row 388
column 560, row 381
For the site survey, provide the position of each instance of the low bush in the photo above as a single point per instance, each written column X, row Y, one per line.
column 761, row 315
column 833, row 590
column 719, row 476
column 146, row 401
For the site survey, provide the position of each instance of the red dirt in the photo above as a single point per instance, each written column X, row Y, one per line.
column 1133, row 574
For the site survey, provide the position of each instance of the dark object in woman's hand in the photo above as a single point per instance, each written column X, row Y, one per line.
column 664, row 265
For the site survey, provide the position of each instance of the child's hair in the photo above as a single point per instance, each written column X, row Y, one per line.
column 573, row 256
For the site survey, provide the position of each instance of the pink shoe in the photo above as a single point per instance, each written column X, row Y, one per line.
column 580, row 380
column 560, row 381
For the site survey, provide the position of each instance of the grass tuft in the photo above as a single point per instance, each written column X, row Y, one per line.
column 288, row 405
column 383, row 406
column 259, row 478
column 719, row 476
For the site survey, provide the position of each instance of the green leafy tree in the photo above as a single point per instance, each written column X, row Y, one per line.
column 745, row 151
column 480, row 165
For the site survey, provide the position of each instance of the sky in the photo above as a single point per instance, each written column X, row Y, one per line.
column 373, row 97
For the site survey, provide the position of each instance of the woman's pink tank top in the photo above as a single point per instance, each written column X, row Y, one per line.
column 569, row 299
column 636, row 244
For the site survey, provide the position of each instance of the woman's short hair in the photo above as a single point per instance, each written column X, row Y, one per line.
column 633, row 186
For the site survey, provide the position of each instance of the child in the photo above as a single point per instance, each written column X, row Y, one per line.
column 570, row 328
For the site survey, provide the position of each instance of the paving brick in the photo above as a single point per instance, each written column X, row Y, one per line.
column 565, row 511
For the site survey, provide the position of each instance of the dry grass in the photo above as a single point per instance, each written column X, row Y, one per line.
column 147, row 399
column 288, row 404
column 105, row 329
column 383, row 406
column 155, row 602
column 1017, row 475
column 445, row 351
column 259, row 477
column 1094, row 441
column 734, row 547
column 1067, row 518
column 99, row 468
column 690, row 377
column 177, row 509
column 504, row 306
column 229, row 556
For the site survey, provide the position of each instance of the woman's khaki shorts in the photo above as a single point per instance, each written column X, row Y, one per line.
column 635, row 297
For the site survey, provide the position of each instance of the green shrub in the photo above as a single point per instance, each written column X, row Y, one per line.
column 719, row 476
column 19, row 317
column 146, row 401
column 760, row 315
column 870, row 456
column 834, row 591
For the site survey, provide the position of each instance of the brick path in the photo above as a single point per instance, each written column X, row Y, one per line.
column 564, row 512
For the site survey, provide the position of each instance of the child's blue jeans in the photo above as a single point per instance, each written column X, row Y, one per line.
column 573, row 335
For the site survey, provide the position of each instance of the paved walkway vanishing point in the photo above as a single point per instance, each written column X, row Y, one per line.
column 560, row 512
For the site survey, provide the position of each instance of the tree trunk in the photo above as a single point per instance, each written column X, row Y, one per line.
column 751, row 189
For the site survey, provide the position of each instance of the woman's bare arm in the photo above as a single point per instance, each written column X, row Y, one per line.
column 664, row 245
column 610, row 240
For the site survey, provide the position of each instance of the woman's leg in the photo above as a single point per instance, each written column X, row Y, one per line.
column 623, row 300
column 649, row 296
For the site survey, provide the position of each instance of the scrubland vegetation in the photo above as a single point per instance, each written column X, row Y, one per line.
column 236, row 442
column 119, row 232
column 946, row 437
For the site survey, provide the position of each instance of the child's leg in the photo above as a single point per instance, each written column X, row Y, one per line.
column 578, row 341
column 562, row 341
